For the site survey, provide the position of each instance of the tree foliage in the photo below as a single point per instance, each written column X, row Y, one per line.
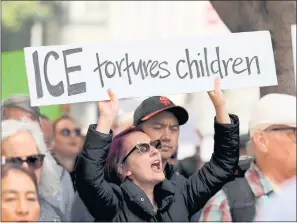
column 275, row 16
column 15, row 12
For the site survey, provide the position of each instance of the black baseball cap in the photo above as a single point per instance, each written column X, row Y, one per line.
column 156, row 104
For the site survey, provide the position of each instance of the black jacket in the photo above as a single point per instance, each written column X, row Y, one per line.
column 80, row 212
column 127, row 202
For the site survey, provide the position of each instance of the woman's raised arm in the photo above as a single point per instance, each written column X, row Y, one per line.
column 100, row 197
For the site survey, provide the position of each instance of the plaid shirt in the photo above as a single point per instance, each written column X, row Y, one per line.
column 217, row 208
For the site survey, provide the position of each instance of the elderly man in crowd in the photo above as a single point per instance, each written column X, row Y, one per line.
column 22, row 143
column 18, row 107
column 273, row 149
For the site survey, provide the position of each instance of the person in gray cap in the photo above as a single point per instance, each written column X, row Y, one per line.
column 18, row 106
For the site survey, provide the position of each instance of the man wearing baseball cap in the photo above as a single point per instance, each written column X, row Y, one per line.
column 19, row 106
column 272, row 147
column 160, row 118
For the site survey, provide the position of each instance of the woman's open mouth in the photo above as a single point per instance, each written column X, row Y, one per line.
column 157, row 165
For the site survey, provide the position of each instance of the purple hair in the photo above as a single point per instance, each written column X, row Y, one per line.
column 116, row 155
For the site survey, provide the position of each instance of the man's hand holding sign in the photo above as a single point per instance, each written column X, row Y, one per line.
column 72, row 74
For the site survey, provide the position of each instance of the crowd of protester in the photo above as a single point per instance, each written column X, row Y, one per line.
column 125, row 168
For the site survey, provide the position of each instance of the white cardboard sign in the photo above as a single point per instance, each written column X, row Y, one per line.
column 79, row 73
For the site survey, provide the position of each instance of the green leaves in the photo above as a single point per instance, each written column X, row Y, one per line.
column 15, row 12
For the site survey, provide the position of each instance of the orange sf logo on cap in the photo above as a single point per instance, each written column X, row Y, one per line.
column 164, row 100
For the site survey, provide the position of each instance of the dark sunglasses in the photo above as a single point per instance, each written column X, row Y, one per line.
column 34, row 161
column 144, row 148
column 67, row 132
column 284, row 129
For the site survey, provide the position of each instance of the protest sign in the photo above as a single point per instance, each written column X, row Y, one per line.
column 72, row 74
